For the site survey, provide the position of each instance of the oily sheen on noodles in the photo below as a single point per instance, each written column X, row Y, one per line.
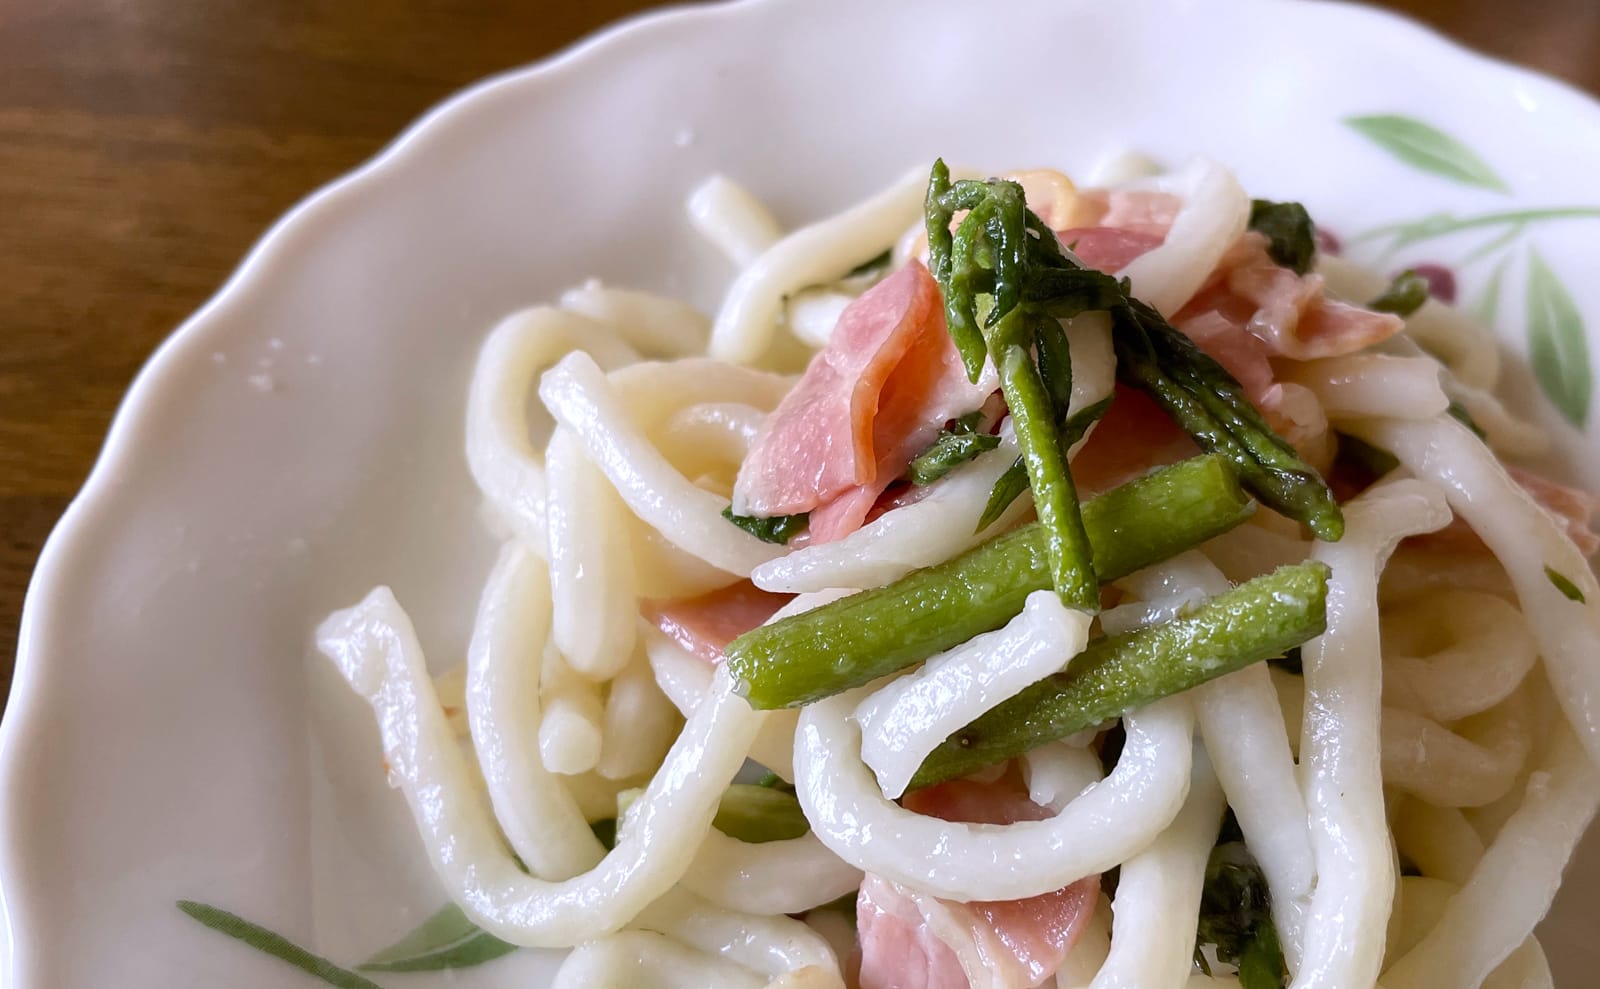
column 1442, row 712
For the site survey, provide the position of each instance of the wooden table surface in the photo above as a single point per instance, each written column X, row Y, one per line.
column 146, row 144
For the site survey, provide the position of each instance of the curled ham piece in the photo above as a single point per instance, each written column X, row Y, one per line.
column 913, row 941
column 704, row 625
column 1574, row 508
column 869, row 402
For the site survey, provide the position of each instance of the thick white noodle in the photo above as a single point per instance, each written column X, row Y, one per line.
column 710, row 437
column 581, row 399
column 1362, row 385
column 812, row 255
column 375, row 648
column 812, row 313
column 1502, row 430
column 1243, row 728
column 1513, row 884
column 941, row 525
column 1058, row 771
column 1339, row 748
column 770, row 877
column 686, row 680
column 656, row 325
column 1525, row 968
column 1104, row 826
column 904, row 720
column 640, row 722
column 734, row 220
column 1439, row 841
column 1214, row 214
column 571, row 731
column 647, row 960
column 1088, row 956
column 1527, row 540
column 591, row 562
column 1158, row 896
column 1120, row 168
column 501, row 453
column 1453, row 653
column 771, row 945
column 540, row 820
column 1471, row 764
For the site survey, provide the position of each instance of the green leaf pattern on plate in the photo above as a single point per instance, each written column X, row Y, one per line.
column 1558, row 347
column 1428, row 148
column 445, row 940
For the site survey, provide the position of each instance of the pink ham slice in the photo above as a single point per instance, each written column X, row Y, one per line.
column 870, row 401
column 704, row 625
column 919, row 942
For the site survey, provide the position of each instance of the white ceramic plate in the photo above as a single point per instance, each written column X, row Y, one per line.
column 299, row 439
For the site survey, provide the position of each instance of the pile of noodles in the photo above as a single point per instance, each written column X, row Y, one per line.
column 1449, row 717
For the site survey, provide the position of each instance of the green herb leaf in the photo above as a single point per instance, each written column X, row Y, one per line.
column 759, row 813
column 1404, row 296
column 276, row 945
column 1459, row 413
column 1564, row 585
column 1291, row 236
column 447, row 940
column 1425, row 147
column 1558, row 347
column 774, row 529
column 1261, row 965
column 950, row 449
column 1235, row 910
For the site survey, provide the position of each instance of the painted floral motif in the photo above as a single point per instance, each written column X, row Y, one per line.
column 1558, row 346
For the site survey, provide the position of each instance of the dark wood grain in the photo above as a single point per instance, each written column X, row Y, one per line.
column 145, row 144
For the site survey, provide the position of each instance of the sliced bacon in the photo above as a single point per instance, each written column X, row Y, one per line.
column 870, row 401
column 1293, row 313
column 913, row 941
column 1110, row 249
column 704, row 625
column 1134, row 436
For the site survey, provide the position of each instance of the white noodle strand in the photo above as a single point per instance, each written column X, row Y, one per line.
column 732, row 219
column 1101, row 828
column 1152, row 930
column 1339, row 743
column 812, row 255
column 910, row 717
column 376, row 650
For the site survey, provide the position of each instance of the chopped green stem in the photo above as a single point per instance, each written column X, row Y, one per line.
column 1015, row 480
column 1255, row 621
column 769, row 528
column 950, row 449
column 1055, row 497
column 1404, row 296
column 860, row 638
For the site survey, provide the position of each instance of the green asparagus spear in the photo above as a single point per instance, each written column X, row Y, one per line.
column 1210, row 405
column 1257, row 620
column 952, row 448
column 874, row 633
